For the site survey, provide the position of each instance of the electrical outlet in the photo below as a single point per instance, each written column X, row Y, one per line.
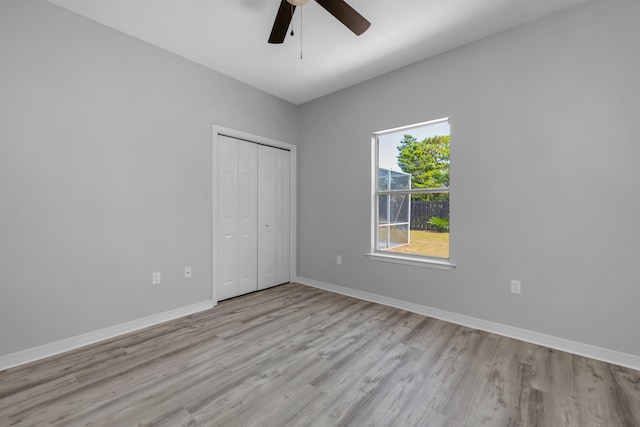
column 339, row 259
column 155, row 278
column 187, row 272
column 516, row 287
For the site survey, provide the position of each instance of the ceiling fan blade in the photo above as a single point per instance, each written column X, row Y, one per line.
column 281, row 24
column 346, row 14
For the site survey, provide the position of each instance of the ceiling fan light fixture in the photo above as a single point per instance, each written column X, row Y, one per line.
column 298, row 2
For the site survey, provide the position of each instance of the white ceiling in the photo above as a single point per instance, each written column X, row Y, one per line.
column 230, row 36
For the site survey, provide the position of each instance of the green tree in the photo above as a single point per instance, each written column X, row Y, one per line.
column 427, row 161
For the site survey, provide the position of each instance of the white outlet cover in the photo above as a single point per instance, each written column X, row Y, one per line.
column 156, row 278
column 187, row 272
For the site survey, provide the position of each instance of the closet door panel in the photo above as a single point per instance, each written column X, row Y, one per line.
column 273, row 217
column 248, row 217
column 227, row 218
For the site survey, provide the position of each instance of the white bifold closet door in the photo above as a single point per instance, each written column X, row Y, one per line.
column 273, row 216
column 253, row 217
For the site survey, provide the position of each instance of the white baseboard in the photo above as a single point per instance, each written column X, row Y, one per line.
column 51, row 349
column 581, row 349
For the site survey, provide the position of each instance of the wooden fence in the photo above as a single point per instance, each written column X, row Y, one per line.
column 422, row 210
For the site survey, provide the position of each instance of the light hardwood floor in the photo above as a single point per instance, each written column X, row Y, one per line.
column 295, row 355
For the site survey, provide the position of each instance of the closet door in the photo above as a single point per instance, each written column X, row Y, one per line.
column 273, row 216
column 237, row 217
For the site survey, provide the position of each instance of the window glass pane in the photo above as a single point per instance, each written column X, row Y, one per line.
column 399, row 208
column 429, row 227
column 422, row 153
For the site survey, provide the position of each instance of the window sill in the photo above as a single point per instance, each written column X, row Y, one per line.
column 418, row 262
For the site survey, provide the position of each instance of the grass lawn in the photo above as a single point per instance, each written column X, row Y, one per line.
column 426, row 243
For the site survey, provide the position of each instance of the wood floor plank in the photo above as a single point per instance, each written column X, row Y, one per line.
column 299, row 356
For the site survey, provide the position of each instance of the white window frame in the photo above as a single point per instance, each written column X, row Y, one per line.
column 399, row 258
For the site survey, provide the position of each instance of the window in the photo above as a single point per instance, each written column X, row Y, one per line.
column 410, row 203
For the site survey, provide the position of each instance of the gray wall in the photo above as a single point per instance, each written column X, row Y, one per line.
column 544, row 177
column 105, row 163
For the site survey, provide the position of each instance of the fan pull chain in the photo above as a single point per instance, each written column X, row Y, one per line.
column 300, row 34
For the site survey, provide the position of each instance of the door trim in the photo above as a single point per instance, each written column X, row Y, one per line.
column 234, row 133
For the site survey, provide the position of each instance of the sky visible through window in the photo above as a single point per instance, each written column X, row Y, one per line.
column 388, row 144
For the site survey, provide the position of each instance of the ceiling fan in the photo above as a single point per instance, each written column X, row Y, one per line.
column 338, row 8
